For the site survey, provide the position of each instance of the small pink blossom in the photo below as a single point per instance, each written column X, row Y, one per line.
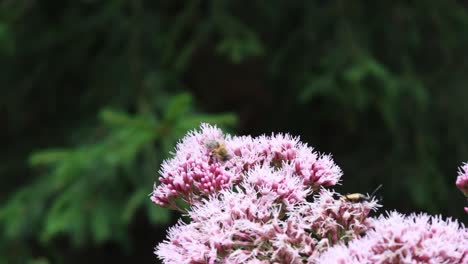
column 405, row 239
column 284, row 183
column 462, row 179
column 322, row 172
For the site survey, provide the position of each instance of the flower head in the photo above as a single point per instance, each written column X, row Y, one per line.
column 193, row 172
column 207, row 161
column 259, row 221
column 248, row 203
column 231, row 226
column 462, row 179
column 405, row 239
column 284, row 183
column 329, row 220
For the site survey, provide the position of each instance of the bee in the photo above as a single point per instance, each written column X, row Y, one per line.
column 217, row 150
column 359, row 197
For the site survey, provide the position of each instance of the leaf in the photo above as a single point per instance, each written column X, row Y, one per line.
column 40, row 260
column 239, row 48
column 113, row 117
column 7, row 40
column 318, row 86
column 101, row 223
column 157, row 214
column 178, row 105
column 135, row 202
column 49, row 156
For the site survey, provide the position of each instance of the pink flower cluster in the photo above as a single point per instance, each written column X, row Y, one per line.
column 252, row 225
column 208, row 161
column 263, row 200
column 331, row 218
column 404, row 239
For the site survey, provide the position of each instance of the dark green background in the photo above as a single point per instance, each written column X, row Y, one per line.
column 96, row 93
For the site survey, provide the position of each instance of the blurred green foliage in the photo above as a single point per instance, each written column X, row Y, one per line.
column 91, row 192
column 96, row 93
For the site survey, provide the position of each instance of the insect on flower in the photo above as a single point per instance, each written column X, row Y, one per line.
column 217, row 150
column 359, row 197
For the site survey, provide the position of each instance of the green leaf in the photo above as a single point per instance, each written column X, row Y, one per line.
column 113, row 117
column 178, row 106
column 101, row 223
column 318, row 86
column 49, row 156
column 239, row 48
column 136, row 201
column 41, row 260
column 157, row 214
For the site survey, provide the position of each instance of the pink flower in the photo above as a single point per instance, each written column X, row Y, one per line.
column 405, row 239
column 229, row 227
column 248, row 203
column 283, row 150
column 330, row 221
column 258, row 221
column 462, row 179
column 197, row 169
column 194, row 172
column 284, row 183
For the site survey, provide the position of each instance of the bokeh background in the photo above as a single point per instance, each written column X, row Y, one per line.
column 95, row 94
